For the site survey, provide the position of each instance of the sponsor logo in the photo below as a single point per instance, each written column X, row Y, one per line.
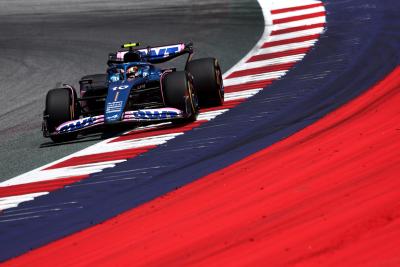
column 114, row 107
column 120, row 54
column 154, row 115
column 113, row 118
column 76, row 125
column 161, row 51
column 121, row 87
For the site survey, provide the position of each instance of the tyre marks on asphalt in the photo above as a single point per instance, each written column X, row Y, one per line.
column 291, row 29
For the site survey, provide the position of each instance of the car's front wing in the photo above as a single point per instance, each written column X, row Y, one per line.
column 143, row 115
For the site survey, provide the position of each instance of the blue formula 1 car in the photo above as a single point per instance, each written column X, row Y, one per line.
column 134, row 90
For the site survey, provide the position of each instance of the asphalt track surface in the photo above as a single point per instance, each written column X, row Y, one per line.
column 43, row 42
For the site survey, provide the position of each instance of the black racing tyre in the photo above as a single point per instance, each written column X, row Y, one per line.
column 179, row 93
column 60, row 108
column 207, row 80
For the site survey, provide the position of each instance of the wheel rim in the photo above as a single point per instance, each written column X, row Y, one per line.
column 219, row 82
column 193, row 98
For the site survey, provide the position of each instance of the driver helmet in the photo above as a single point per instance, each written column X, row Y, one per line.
column 132, row 72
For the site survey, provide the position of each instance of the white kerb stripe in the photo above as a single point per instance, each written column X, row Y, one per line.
column 254, row 78
column 65, row 172
column 130, row 144
column 298, row 13
column 14, row 201
column 211, row 114
column 241, row 94
column 287, row 47
column 280, row 4
column 280, row 37
column 272, row 62
column 297, row 23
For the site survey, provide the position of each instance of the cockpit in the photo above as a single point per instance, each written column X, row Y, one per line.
column 128, row 71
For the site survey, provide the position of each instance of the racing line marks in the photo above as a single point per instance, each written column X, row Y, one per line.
column 291, row 29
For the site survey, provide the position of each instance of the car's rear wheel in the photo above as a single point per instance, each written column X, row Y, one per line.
column 179, row 92
column 207, row 80
column 60, row 108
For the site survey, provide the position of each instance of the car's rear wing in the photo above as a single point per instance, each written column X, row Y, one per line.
column 154, row 55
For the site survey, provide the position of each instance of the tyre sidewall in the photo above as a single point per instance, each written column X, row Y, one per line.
column 179, row 92
column 207, row 80
column 60, row 108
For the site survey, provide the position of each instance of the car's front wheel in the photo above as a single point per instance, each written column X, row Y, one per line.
column 60, row 108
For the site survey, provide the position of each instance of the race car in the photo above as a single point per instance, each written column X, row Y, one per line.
column 134, row 90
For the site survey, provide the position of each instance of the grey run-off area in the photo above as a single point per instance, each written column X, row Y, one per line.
column 46, row 41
